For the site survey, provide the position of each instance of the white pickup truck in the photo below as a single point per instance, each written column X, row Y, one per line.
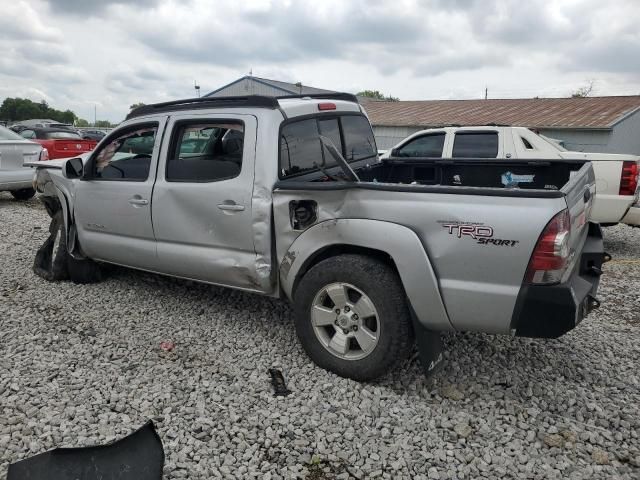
column 616, row 175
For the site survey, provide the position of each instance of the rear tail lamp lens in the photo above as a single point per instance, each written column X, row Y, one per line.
column 551, row 255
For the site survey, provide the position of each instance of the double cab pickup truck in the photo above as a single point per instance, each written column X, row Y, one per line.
column 616, row 174
column 287, row 197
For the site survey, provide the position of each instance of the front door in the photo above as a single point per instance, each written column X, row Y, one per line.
column 201, row 207
column 113, row 200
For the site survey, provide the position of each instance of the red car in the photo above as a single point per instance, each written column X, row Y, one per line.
column 59, row 142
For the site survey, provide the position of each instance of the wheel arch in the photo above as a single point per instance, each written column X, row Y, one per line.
column 389, row 242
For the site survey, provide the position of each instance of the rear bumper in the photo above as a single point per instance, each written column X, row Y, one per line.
column 549, row 311
column 610, row 208
column 16, row 179
column 633, row 216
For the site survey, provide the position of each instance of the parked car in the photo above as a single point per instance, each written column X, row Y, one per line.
column 288, row 199
column 15, row 177
column 616, row 175
column 96, row 135
column 60, row 142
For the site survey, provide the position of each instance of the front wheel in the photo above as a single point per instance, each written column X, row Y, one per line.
column 352, row 316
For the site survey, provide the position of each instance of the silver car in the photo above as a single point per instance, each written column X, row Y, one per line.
column 14, row 152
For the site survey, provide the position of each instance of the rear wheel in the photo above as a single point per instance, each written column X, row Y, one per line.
column 352, row 316
column 23, row 193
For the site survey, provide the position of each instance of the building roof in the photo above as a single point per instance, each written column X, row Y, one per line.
column 580, row 113
column 285, row 87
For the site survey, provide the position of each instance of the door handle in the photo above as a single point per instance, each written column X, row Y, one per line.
column 138, row 201
column 231, row 207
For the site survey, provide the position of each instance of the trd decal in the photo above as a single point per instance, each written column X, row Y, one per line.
column 482, row 234
column 473, row 231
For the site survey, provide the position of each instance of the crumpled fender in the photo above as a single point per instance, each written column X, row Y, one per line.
column 399, row 242
column 52, row 187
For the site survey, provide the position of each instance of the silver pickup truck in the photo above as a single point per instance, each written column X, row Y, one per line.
column 287, row 197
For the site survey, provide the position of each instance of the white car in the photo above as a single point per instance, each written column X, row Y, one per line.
column 14, row 152
column 616, row 174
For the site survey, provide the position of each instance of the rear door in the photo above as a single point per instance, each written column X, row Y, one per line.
column 113, row 200
column 202, row 215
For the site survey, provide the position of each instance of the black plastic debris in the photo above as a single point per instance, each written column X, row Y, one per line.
column 277, row 380
column 139, row 456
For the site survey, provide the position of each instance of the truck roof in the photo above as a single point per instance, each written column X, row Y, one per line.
column 291, row 105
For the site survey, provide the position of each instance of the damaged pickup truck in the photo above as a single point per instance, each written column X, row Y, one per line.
column 286, row 197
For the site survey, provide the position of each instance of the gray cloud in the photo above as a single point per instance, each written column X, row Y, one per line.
column 116, row 52
column 93, row 7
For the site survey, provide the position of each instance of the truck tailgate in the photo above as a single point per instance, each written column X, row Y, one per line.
column 580, row 196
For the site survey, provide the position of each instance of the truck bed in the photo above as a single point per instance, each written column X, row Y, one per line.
column 492, row 173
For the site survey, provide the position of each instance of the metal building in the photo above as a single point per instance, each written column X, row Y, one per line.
column 250, row 85
column 594, row 124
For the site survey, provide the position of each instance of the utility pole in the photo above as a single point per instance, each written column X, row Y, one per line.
column 197, row 87
column 486, row 92
column 95, row 115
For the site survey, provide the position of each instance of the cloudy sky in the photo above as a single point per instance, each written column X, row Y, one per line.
column 79, row 54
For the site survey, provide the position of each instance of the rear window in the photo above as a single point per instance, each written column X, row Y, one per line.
column 476, row 145
column 425, row 146
column 302, row 151
column 6, row 134
column 358, row 138
column 62, row 135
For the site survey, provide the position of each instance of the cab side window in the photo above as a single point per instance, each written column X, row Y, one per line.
column 205, row 151
column 475, row 145
column 427, row 146
column 126, row 157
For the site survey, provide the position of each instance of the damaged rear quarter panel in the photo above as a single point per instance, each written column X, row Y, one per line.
column 478, row 284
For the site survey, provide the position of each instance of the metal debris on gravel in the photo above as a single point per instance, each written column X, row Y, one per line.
column 80, row 365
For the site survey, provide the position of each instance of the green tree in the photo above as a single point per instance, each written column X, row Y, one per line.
column 376, row 95
column 103, row 124
column 136, row 105
column 81, row 122
column 17, row 109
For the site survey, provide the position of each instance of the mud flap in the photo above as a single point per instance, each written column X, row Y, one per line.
column 430, row 347
column 139, row 456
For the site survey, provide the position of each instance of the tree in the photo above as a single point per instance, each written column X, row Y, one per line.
column 81, row 122
column 584, row 91
column 376, row 95
column 136, row 105
column 17, row 109
column 103, row 124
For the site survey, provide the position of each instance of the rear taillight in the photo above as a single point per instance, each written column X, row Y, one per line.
column 551, row 254
column 44, row 155
column 629, row 178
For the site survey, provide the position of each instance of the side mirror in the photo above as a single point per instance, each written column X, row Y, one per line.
column 394, row 152
column 73, row 168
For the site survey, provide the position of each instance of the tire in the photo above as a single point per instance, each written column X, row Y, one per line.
column 53, row 262
column 23, row 193
column 51, row 258
column 384, row 309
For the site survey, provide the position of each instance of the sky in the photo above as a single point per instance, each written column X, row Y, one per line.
column 108, row 54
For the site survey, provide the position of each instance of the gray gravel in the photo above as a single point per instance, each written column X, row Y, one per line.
column 82, row 366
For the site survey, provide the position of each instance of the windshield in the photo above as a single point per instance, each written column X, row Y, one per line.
column 6, row 134
column 63, row 135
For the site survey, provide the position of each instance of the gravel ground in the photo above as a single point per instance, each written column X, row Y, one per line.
column 82, row 366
